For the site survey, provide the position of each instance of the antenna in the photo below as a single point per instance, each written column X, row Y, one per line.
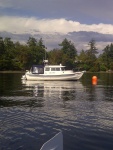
column 45, row 60
column 45, row 53
column 45, row 50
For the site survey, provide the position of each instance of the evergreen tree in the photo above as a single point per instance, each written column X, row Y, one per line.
column 68, row 48
column 91, row 55
column 32, row 42
column 2, row 49
column 69, row 53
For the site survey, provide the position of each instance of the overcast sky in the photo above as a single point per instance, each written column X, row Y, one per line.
column 62, row 16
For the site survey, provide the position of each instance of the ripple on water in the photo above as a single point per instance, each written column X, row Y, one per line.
column 31, row 116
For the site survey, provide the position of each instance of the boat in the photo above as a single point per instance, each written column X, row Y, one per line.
column 47, row 72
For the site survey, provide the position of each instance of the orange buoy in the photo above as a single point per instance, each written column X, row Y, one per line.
column 94, row 80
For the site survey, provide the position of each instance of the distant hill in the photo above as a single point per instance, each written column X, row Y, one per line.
column 80, row 39
column 85, row 36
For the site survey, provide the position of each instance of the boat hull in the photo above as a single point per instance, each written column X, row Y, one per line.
column 41, row 77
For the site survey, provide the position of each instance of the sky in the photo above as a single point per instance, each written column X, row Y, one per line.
column 62, row 16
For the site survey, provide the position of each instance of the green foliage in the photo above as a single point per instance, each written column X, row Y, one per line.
column 92, row 48
column 68, row 48
column 88, row 58
column 95, row 68
column 16, row 56
column 103, row 67
column 55, row 56
column 86, row 67
column 107, row 57
column 69, row 53
column 111, row 66
column 32, row 42
column 2, row 49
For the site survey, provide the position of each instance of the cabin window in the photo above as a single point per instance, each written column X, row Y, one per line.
column 35, row 70
column 40, row 70
column 47, row 69
column 62, row 69
column 53, row 69
column 57, row 69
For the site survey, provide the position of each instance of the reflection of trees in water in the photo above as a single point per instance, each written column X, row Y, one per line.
column 28, row 102
column 33, row 94
column 91, row 93
column 104, row 88
column 68, row 95
column 103, row 79
column 29, row 97
column 107, row 81
column 108, row 92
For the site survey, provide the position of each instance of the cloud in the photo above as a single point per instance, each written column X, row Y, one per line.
column 42, row 18
column 84, row 11
column 33, row 25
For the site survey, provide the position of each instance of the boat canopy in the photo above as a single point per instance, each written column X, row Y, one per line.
column 37, row 69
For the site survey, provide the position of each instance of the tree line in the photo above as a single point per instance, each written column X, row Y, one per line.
column 18, row 56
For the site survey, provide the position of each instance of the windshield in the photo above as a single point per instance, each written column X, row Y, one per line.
column 63, row 69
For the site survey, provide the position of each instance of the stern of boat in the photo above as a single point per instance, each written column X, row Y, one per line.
column 24, row 76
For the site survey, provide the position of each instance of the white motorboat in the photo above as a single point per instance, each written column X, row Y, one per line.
column 51, row 72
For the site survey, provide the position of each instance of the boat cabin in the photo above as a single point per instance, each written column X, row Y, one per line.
column 40, row 69
column 54, row 68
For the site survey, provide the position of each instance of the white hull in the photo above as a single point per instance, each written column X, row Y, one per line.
column 42, row 77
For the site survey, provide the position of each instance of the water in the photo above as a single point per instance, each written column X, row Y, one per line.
column 33, row 112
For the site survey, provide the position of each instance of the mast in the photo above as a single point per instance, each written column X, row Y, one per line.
column 45, row 61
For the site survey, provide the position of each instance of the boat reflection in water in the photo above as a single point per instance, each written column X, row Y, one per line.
column 66, row 90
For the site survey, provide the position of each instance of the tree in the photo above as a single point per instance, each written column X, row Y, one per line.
column 32, row 42
column 6, row 62
column 107, row 56
column 8, row 43
column 92, row 51
column 40, row 43
column 37, row 50
column 91, row 54
column 23, row 57
column 2, row 49
column 9, row 48
column 82, row 59
column 69, row 53
column 92, row 47
column 17, row 56
column 68, row 48
column 55, row 56
column 32, row 47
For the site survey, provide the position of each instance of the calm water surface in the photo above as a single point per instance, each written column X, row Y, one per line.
column 33, row 112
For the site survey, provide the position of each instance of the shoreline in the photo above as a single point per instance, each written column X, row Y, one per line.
column 12, row 71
